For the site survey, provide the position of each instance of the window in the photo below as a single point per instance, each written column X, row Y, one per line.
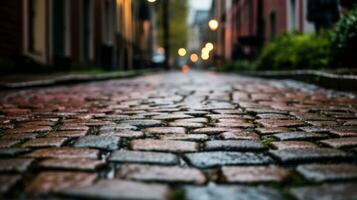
column 35, row 31
column 31, row 25
column 272, row 19
column 293, row 15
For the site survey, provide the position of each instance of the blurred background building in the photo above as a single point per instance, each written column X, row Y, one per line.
column 129, row 34
column 198, row 32
column 248, row 25
column 66, row 34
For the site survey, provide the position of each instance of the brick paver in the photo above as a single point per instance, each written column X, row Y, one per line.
column 328, row 172
column 231, row 145
column 123, row 156
column 327, row 191
column 80, row 164
column 164, row 145
column 300, row 136
column 165, row 130
column 308, row 155
column 222, row 158
column 293, row 145
column 212, row 192
column 45, row 142
column 239, row 135
column 47, row 182
column 119, row 189
column 174, row 136
column 161, row 174
column 98, row 142
column 7, row 182
column 254, row 174
column 15, row 164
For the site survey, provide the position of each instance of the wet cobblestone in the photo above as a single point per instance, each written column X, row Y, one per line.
column 80, row 164
column 161, row 174
column 47, row 182
column 119, row 189
column 173, row 136
column 212, row 192
column 144, row 157
column 328, row 172
column 254, row 174
column 326, row 191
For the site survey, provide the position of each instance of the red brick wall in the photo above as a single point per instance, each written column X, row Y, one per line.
column 279, row 7
column 97, row 29
column 229, row 33
column 242, row 20
column 246, row 10
column 301, row 15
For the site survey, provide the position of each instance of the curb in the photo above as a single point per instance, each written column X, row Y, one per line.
column 73, row 79
column 325, row 79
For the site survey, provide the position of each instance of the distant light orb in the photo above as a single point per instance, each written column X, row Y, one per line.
column 213, row 24
column 160, row 50
column 205, row 50
column 151, row 1
column 182, row 52
column 205, row 56
column 185, row 69
column 194, row 58
column 209, row 46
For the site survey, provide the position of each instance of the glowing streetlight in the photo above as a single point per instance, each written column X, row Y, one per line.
column 213, row 24
column 205, row 56
column 205, row 50
column 161, row 50
column 194, row 58
column 209, row 46
column 151, row 1
column 182, row 52
column 185, row 69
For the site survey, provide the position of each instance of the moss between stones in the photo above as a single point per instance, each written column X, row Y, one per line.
column 177, row 194
column 268, row 140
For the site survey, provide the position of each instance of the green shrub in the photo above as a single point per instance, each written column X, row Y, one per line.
column 344, row 41
column 295, row 51
column 241, row 65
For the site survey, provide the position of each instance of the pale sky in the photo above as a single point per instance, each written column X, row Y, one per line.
column 198, row 5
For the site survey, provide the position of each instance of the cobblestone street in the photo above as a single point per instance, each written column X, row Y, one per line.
column 199, row 136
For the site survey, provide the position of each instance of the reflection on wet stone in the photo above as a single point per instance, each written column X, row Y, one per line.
column 173, row 136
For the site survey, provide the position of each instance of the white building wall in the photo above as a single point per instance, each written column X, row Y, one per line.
column 293, row 8
column 308, row 27
column 293, row 15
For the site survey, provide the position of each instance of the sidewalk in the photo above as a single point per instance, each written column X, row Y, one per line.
column 337, row 80
column 20, row 81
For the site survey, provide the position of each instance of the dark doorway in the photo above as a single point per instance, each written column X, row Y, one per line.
column 86, row 31
column 59, row 37
column 31, row 25
column 272, row 25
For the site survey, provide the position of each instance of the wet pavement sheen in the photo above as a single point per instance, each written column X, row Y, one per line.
column 200, row 135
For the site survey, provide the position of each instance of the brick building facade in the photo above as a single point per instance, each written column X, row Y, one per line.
column 248, row 25
column 65, row 33
column 10, row 34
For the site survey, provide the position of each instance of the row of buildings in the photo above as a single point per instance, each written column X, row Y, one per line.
column 247, row 25
column 75, row 33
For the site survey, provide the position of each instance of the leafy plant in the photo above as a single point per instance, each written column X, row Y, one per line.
column 344, row 41
column 178, row 28
column 268, row 140
column 241, row 65
column 295, row 51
